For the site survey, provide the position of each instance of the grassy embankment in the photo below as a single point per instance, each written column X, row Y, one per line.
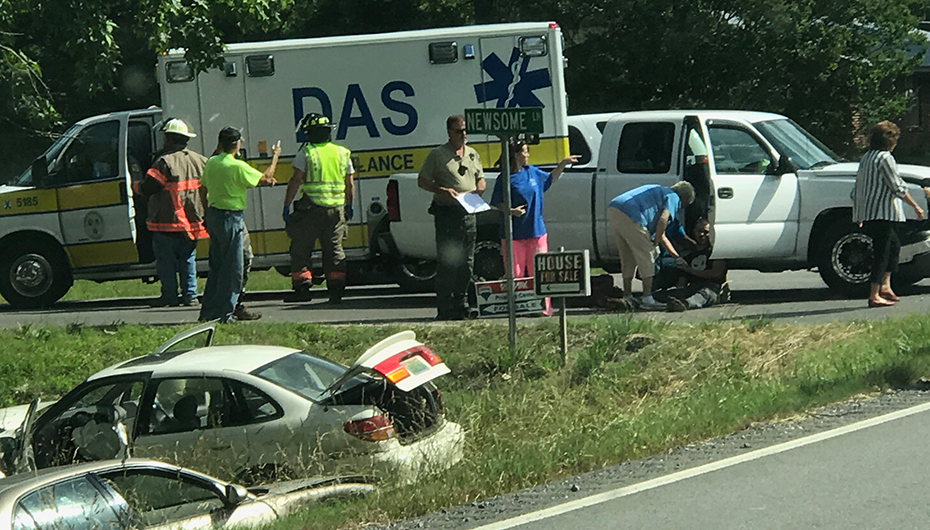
column 87, row 290
column 528, row 418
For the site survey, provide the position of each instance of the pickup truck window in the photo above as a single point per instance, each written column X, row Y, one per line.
column 793, row 141
column 578, row 146
column 736, row 151
column 646, row 147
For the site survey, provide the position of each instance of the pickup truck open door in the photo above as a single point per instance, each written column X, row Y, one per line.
column 755, row 206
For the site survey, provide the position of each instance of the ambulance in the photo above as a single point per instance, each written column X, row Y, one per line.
column 73, row 214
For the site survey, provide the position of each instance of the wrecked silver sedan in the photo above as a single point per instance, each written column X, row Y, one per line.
column 253, row 413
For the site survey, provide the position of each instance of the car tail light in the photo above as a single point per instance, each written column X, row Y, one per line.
column 393, row 201
column 374, row 429
column 402, row 366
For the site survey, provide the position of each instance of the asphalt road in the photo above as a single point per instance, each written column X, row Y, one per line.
column 795, row 297
column 856, row 464
column 865, row 475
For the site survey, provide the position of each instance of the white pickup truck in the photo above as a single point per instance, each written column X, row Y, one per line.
column 782, row 198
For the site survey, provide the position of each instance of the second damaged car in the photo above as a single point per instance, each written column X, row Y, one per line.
column 139, row 493
column 253, row 413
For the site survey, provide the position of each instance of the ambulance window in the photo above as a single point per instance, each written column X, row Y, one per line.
column 646, row 148
column 178, row 72
column 259, row 65
column 443, row 52
column 92, row 156
column 139, row 147
column 534, row 46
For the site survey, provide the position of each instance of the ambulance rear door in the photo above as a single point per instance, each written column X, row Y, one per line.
column 517, row 71
column 223, row 103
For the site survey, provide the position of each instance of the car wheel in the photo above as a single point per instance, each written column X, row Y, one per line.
column 489, row 261
column 845, row 259
column 34, row 275
column 414, row 274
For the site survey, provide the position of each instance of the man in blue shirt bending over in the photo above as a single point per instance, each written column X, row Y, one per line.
column 642, row 219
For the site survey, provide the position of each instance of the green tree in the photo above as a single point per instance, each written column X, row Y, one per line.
column 64, row 60
column 821, row 62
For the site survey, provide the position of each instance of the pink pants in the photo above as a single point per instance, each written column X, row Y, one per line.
column 523, row 251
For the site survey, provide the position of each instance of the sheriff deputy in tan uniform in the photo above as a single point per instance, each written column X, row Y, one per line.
column 449, row 171
column 324, row 180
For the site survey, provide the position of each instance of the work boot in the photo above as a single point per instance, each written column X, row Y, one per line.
column 335, row 288
column 300, row 294
column 242, row 313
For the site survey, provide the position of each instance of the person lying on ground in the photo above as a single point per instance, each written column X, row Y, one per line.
column 692, row 280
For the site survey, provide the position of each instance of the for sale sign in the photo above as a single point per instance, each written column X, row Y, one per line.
column 563, row 273
column 492, row 298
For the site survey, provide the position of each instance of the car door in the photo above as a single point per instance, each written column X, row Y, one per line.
column 92, row 422
column 78, row 503
column 96, row 210
column 646, row 154
column 193, row 421
column 170, row 499
column 756, row 209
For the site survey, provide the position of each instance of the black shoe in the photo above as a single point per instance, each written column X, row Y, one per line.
column 335, row 300
column 161, row 302
column 241, row 313
column 190, row 302
column 301, row 294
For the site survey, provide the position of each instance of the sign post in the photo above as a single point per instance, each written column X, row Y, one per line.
column 506, row 124
column 559, row 275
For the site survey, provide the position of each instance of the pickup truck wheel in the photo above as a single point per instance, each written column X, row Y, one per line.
column 489, row 261
column 34, row 275
column 845, row 259
column 415, row 275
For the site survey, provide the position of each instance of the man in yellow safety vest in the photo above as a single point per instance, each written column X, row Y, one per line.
column 323, row 182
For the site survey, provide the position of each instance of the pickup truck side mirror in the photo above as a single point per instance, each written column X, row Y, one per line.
column 39, row 172
column 784, row 165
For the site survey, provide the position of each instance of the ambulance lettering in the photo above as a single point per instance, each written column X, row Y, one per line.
column 357, row 113
column 394, row 162
column 511, row 84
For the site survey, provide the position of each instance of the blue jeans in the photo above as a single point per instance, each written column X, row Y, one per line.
column 175, row 256
column 224, row 282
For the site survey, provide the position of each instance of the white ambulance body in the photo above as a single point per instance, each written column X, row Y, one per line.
column 388, row 94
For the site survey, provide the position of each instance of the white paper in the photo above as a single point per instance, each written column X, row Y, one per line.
column 472, row 202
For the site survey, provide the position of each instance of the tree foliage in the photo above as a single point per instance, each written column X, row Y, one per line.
column 822, row 62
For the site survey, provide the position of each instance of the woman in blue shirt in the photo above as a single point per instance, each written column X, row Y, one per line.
column 527, row 186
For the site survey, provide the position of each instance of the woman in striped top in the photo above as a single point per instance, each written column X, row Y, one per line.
column 878, row 198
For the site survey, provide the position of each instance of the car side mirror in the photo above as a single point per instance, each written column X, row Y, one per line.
column 236, row 493
column 39, row 172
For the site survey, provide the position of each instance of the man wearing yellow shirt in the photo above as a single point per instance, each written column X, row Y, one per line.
column 225, row 182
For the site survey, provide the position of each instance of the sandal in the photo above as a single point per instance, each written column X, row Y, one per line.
column 881, row 303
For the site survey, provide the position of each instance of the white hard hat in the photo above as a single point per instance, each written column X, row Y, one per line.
column 177, row 126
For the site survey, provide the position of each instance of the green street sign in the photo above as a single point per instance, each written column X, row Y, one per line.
column 504, row 121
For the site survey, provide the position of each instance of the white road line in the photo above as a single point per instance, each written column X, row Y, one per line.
column 700, row 470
